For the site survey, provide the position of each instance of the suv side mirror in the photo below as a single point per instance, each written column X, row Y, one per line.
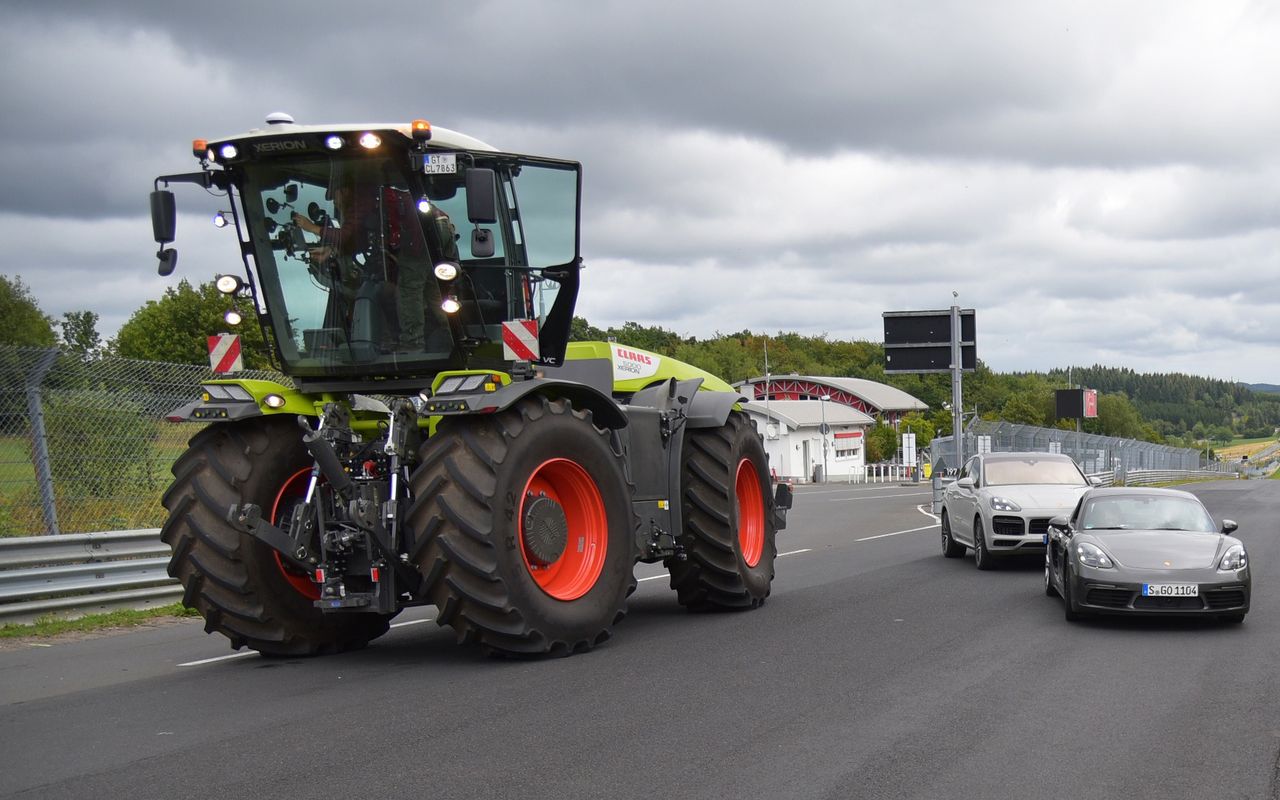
column 965, row 483
column 482, row 196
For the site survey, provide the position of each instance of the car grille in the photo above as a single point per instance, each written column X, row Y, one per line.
column 1040, row 526
column 1224, row 598
column 1110, row 598
column 1169, row 603
column 1007, row 526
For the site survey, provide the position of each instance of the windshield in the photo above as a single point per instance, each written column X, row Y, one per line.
column 1032, row 471
column 1146, row 512
column 347, row 246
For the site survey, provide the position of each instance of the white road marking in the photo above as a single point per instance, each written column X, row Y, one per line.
column 929, row 514
column 219, row 658
column 896, row 533
column 873, row 497
column 795, row 552
column 216, row 659
column 650, row 578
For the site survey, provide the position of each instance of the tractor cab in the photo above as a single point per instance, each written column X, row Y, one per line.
column 382, row 252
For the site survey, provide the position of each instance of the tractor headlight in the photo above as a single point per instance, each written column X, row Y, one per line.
column 228, row 152
column 424, row 206
column 233, row 317
column 1091, row 555
column 370, row 140
column 451, row 305
column 1235, row 558
column 446, row 271
column 228, row 284
column 333, row 142
column 273, row 401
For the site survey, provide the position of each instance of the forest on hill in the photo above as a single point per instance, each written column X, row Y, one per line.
column 1167, row 408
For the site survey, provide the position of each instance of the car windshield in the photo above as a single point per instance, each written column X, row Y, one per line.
column 1145, row 512
column 1032, row 471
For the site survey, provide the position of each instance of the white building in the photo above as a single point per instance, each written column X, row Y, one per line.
column 797, row 448
column 791, row 422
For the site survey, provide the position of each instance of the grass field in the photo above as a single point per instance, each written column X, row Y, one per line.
column 1244, row 447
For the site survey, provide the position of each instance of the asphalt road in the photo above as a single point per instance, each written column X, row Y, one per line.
column 877, row 669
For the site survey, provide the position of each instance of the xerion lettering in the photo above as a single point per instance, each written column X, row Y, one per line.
column 282, row 146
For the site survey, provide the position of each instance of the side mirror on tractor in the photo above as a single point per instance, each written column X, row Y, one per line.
column 482, row 209
column 164, row 220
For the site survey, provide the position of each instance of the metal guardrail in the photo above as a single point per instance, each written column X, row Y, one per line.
column 83, row 573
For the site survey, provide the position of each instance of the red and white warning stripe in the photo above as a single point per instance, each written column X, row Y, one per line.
column 224, row 353
column 520, row 340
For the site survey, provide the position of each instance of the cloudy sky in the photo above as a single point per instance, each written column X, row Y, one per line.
column 1099, row 180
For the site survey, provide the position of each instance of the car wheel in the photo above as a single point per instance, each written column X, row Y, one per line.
column 1048, row 580
column 1070, row 609
column 950, row 547
column 981, row 558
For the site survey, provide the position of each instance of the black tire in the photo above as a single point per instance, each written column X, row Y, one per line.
column 469, row 538
column 718, row 468
column 1070, row 609
column 232, row 579
column 1048, row 582
column 950, row 547
column 982, row 558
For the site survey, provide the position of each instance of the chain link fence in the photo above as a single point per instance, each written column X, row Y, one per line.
column 84, row 445
column 1093, row 452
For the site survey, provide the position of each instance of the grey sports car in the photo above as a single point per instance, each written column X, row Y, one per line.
column 1145, row 551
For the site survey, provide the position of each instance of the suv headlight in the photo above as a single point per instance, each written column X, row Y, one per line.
column 1234, row 559
column 1092, row 556
column 1004, row 504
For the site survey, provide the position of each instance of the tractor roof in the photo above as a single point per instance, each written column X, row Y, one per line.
column 439, row 136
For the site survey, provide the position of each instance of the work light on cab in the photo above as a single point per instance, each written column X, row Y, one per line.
column 228, row 284
column 370, row 140
column 446, row 271
column 333, row 142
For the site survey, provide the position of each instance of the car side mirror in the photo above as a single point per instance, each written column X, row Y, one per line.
column 1229, row 525
column 1060, row 524
column 1094, row 480
column 964, row 483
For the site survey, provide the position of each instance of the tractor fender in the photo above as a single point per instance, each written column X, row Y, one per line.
column 604, row 409
column 710, row 409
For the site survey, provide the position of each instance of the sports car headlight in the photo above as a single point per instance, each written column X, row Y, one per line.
column 1004, row 504
column 1235, row 558
column 1092, row 556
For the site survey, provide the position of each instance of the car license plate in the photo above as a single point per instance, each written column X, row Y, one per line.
column 440, row 164
column 1170, row 590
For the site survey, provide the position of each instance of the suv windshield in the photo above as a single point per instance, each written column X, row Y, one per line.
column 346, row 250
column 1032, row 471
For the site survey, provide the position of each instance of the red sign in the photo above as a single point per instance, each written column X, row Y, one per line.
column 1091, row 403
column 224, row 353
column 849, row 435
column 520, row 340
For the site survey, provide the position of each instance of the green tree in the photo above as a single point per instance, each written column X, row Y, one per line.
column 882, row 443
column 22, row 322
column 1022, row 408
column 176, row 328
column 921, row 426
column 80, row 333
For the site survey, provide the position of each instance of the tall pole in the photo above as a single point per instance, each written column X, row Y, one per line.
column 823, row 401
column 957, row 410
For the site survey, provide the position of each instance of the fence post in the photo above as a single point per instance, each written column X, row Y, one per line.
column 39, row 442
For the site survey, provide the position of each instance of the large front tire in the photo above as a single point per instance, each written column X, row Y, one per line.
column 232, row 579
column 950, row 547
column 729, row 533
column 523, row 529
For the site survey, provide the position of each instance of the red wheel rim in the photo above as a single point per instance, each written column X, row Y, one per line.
column 295, row 487
column 578, row 568
column 750, row 512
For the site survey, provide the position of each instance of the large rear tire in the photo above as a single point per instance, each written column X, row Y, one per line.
column 729, row 533
column 234, row 581
column 524, row 530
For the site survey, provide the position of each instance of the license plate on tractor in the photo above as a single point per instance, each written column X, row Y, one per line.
column 1170, row 590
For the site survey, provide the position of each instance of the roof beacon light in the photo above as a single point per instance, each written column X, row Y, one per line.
column 333, row 142
column 451, row 305
column 228, row 152
column 200, row 148
column 370, row 140
column 446, row 271
column 421, row 129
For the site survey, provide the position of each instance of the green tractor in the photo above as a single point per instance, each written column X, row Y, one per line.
column 443, row 442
